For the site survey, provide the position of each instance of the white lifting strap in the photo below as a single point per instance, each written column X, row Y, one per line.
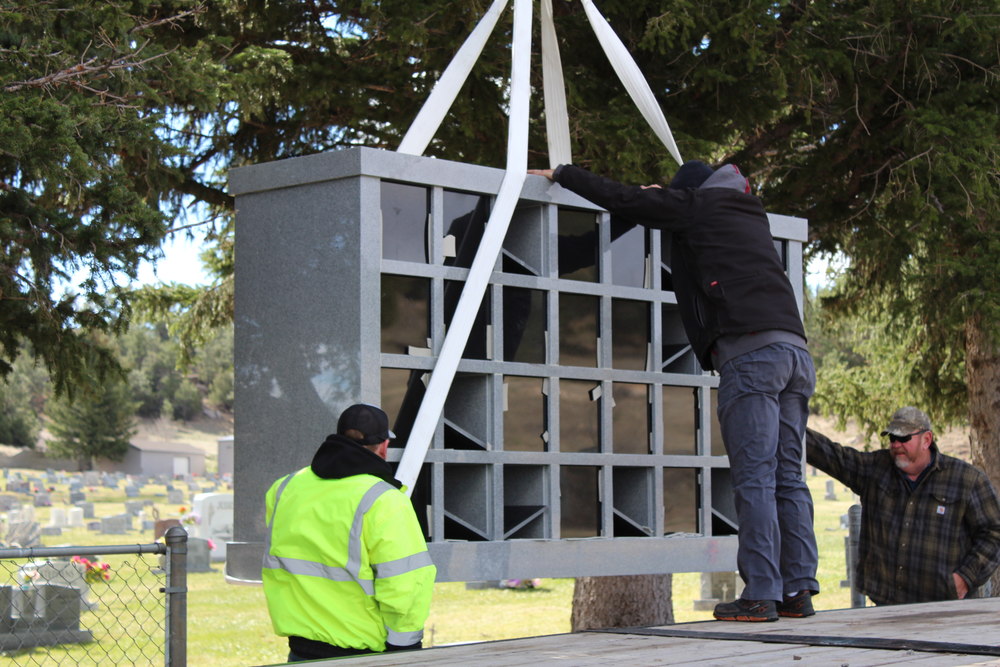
column 632, row 78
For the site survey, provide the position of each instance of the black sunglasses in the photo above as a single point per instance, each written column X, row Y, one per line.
column 904, row 438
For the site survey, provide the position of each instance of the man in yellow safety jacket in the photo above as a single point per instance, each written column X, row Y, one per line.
column 346, row 569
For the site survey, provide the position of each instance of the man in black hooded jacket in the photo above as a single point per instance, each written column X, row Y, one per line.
column 741, row 318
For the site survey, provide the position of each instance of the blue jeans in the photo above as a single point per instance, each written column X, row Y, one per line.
column 763, row 408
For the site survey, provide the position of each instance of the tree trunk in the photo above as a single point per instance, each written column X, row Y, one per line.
column 622, row 602
column 982, row 376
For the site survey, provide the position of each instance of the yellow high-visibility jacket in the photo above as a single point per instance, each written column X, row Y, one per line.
column 346, row 562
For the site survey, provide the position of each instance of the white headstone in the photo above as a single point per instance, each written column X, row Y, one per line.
column 57, row 517
column 216, row 513
column 74, row 517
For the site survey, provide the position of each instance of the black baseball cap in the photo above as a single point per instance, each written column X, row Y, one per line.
column 369, row 420
column 691, row 175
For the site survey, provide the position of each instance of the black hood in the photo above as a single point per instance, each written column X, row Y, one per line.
column 339, row 456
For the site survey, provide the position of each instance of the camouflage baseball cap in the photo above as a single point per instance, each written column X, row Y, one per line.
column 907, row 420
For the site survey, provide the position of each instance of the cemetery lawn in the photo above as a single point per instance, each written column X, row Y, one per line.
column 228, row 625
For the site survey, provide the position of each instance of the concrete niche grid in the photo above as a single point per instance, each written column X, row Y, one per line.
column 579, row 436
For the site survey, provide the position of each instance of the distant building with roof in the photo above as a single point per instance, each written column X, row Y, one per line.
column 157, row 458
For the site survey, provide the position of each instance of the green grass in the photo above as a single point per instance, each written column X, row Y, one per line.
column 228, row 625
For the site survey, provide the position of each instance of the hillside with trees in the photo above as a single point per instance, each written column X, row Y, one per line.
column 153, row 391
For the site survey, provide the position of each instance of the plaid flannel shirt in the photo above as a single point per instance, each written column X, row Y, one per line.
column 913, row 540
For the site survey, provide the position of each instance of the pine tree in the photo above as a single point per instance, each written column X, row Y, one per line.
column 96, row 423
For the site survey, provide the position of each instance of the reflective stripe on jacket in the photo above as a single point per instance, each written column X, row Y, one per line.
column 345, row 562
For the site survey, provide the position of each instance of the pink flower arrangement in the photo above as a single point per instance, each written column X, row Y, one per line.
column 189, row 518
column 93, row 571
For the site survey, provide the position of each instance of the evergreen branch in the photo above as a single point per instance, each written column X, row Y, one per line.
column 86, row 68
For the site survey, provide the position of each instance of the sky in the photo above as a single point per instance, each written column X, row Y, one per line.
column 180, row 263
column 816, row 270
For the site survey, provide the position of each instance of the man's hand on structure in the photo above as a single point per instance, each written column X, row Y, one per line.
column 960, row 585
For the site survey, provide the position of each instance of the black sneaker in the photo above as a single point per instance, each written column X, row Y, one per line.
column 799, row 605
column 746, row 610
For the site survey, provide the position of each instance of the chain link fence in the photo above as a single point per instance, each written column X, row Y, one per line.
column 120, row 605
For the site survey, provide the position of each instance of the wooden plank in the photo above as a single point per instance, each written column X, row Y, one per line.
column 970, row 622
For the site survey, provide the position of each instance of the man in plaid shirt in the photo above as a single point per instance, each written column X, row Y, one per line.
column 930, row 523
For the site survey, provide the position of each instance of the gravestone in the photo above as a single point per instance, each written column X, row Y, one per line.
column 175, row 496
column 114, row 525
column 47, row 615
column 161, row 526
column 43, row 499
column 145, row 523
column 131, row 491
column 93, row 525
column 199, row 556
column 21, row 603
column 67, row 573
column 87, row 507
column 57, row 517
column 60, row 607
column 74, row 517
column 718, row 587
column 830, row 493
column 216, row 512
column 8, row 501
column 77, row 497
column 23, row 534
column 18, row 486
column 133, row 507
column 90, row 478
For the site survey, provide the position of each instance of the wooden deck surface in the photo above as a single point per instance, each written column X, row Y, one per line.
column 939, row 633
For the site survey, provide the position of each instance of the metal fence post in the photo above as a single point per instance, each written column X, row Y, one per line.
column 176, row 592
column 853, row 537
